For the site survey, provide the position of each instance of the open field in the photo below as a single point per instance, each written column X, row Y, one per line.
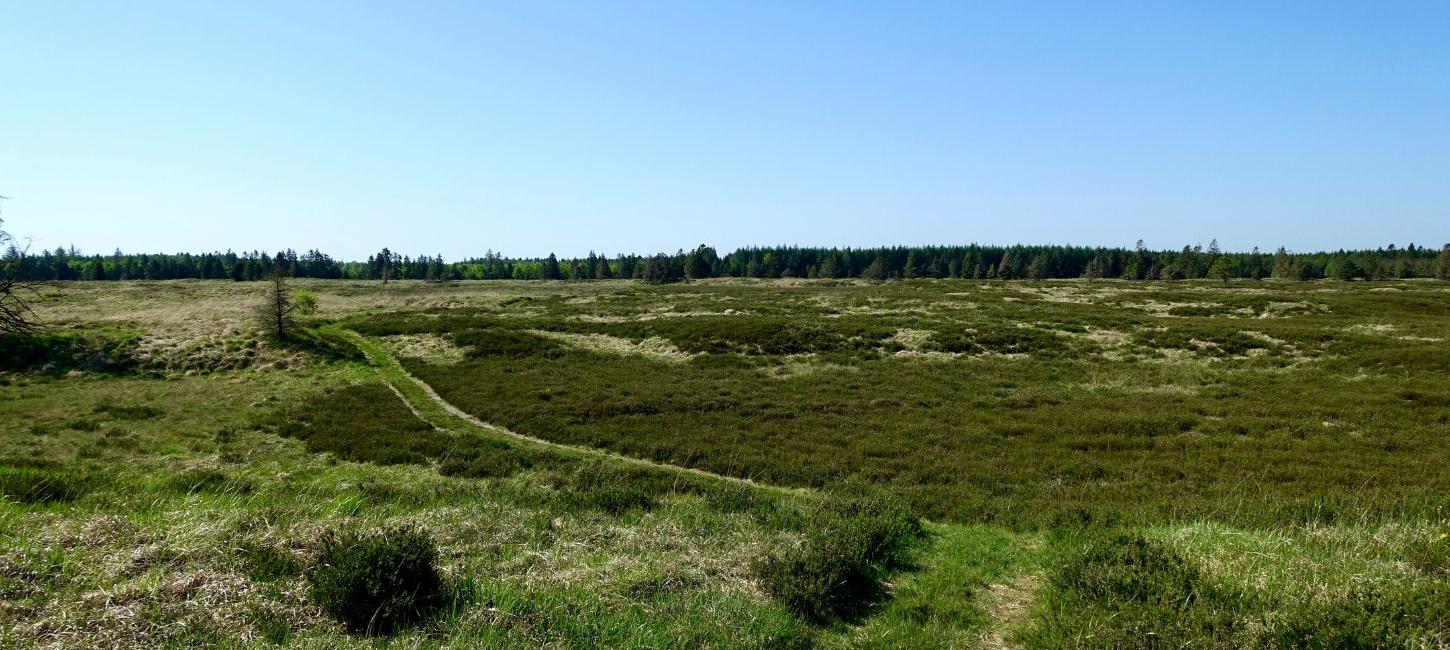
column 1105, row 464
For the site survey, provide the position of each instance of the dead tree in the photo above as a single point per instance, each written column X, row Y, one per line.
column 16, row 316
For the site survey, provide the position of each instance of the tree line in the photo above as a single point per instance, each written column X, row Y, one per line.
column 979, row 262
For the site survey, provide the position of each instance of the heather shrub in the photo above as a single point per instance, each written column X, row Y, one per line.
column 377, row 582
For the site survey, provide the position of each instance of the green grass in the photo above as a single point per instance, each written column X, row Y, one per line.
column 1101, row 465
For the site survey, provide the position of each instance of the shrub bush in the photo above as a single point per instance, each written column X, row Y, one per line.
column 505, row 343
column 377, row 583
column 265, row 562
column 1131, row 569
column 837, row 570
column 1416, row 617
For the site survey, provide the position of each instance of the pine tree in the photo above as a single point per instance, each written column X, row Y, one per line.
column 1221, row 269
column 1442, row 264
column 601, row 269
column 550, row 268
column 700, row 262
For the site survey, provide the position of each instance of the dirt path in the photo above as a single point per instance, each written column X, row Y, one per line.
column 431, row 408
column 1008, row 603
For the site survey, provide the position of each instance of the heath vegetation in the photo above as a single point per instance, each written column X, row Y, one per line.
column 939, row 462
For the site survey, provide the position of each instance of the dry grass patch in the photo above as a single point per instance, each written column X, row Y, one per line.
column 654, row 347
column 432, row 348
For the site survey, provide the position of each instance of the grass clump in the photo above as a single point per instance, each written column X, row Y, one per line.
column 379, row 582
column 128, row 411
column 36, row 486
column 1129, row 569
column 1125, row 591
column 266, row 562
column 836, row 572
column 209, row 481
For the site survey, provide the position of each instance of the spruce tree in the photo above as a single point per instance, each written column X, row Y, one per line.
column 1037, row 270
column 828, row 267
column 876, row 270
column 1007, row 269
column 276, row 314
column 1256, row 264
column 1283, row 264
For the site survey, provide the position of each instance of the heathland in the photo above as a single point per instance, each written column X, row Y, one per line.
column 731, row 463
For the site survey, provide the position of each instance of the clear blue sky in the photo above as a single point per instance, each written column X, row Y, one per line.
column 638, row 126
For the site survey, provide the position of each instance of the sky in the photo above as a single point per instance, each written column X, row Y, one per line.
column 539, row 126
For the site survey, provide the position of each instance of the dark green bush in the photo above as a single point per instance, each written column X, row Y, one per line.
column 58, row 352
column 1130, row 568
column 1431, row 556
column 128, row 412
column 39, row 486
column 266, row 562
column 505, row 343
column 617, row 489
column 1125, row 591
column 836, row 572
column 365, row 423
column 1402, row 618
column 1002, row 339
column 377, row 583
